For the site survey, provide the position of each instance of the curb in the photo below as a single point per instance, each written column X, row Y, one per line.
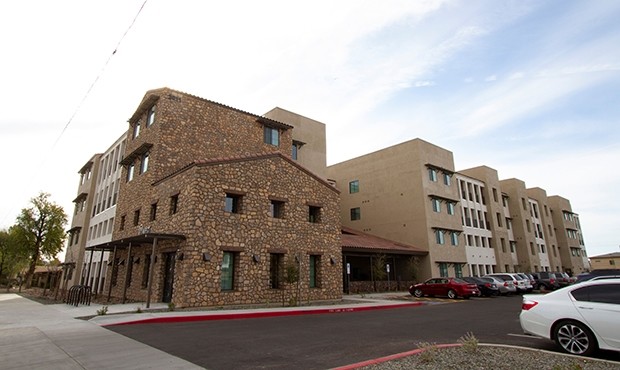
column 392, row 357
column 261, row 314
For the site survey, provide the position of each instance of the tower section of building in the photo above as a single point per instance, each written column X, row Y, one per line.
column 571, row 246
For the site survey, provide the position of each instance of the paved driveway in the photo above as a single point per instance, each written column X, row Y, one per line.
column 331, row 340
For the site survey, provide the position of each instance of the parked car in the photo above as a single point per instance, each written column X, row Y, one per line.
column 445, row 286
column 545, row 281
column 486, row 286
column 580, row 318
column 517, row 281
column 563, row 279
column 505, row 286
column 602, row 272
column 529, row 285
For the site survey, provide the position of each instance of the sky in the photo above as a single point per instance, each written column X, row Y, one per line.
column 530, row 88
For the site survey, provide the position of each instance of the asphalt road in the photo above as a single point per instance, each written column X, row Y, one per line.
column 332, row 340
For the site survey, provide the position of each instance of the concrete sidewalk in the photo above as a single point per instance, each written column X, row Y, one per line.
column 34, row 335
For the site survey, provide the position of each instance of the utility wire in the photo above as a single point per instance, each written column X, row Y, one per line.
column 92, row 85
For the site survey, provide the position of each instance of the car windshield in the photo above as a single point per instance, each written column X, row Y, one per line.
column 459, row 281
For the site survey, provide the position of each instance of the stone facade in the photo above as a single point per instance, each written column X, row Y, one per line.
column 201, row 157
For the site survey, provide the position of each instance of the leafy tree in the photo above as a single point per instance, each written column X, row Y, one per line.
column 13, row 257
column 41, row 230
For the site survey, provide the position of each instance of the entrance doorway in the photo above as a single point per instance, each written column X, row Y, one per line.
column 169, row 261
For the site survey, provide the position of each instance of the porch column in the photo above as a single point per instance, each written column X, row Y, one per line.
column 127, row 267
column 150, row 282
column 111, row 273
column 90, row 263
column 99, row 273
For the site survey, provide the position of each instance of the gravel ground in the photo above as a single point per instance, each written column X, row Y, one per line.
column 485, row 357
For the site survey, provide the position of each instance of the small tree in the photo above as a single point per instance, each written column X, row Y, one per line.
column 13, row 257
column 412, row 267
column 379, row 272
column 292, row 276
column 41, row 230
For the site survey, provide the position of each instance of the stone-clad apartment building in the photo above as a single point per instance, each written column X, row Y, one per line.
column 201, row 204
column 213, row 209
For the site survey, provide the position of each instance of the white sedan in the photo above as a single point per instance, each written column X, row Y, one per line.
column 579, row 318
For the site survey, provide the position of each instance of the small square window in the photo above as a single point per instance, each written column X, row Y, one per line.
column 272, row 136
column 356, row 214
column 314, row 214
column 276, row 209
column 354, row 186
column 233, row 203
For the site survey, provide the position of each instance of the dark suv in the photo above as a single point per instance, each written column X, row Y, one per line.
column 596, row 273
column 545, row 281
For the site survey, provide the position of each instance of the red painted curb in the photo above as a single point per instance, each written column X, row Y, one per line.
column 391, row 357
column 253, row 315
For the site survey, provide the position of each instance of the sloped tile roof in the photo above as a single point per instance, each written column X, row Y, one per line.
column 356, row 240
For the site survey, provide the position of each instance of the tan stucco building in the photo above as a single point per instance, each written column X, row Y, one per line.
column 605, row 261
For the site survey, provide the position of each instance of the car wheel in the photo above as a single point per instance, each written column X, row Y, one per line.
column 417, row 293
column 575, row 338
column 451, row 294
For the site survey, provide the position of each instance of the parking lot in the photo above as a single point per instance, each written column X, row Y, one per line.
column 331, row 340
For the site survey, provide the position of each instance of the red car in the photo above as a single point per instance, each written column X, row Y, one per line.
column 451, row 287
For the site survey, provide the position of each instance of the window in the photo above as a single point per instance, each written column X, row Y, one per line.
column 153, row 213
column 503, row 243
column 136, row 217
column 136, row 130
column 532, row 248
column 432, row 174
column 447, row 179
column 356, row 214
column 314, row 214
column 144, row 163
column 354, row 186
column 272, row 136
column 232, row 203
column 314, row 268
column 228, row 271
column 508, row 223
column 443, row 269
column 454, row 238
column 295, row 152
column 450, row 208
column 499, row 219
column 150, row 116
column 436, row 205
column 275, row 270
column 122, row 225
column 174, row 204
column 495, row 195
column 513, row 246
column 607, row 293
column 439, row 237
column 458, row 270
column 276, row 209
column 130, row 170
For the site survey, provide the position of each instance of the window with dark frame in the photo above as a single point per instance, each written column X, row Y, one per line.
column 228, row 271
column 314, row 214
column 150, row 116
column 122, row 223
column 354, row 186
column 130, row 171
column 136, row 217
column 174, row 203
column 153, row 214
column 275, row 270
column 314, row 271
column 272, row 136
column 136, row 129
column 356, row 214
column 276, row 209
column 144, row 163
column 232, row 203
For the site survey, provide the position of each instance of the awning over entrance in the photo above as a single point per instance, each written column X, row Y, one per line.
column 147, row 238
column 357, row 241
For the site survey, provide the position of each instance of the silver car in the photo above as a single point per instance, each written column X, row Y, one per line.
column 506, row 286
